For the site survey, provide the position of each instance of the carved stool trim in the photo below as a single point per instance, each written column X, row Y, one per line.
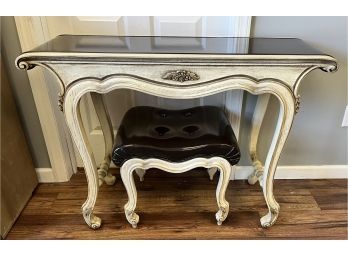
column 175, row 141
column 215, row 162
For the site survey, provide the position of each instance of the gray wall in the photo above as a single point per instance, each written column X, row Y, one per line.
column 317, row 137
column 10, row 49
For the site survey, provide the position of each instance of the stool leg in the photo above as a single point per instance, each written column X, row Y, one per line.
column 141, row 173
column 211, row 172
column 225, row 174
column 128, row 181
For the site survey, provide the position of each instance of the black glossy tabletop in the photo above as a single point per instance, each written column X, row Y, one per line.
column 184, row 45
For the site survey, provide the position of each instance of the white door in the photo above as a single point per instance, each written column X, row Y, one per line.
column 120, row 101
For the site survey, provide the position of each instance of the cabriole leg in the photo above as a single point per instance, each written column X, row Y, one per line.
column 225, row 174
column 74, row 122
column 108, row 135
column 259, row 113
column 128, row 181
column 285, row 119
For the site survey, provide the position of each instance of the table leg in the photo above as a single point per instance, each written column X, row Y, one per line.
column 285, row 119
column 108, row 134
column 225, row 175
column 74, row 122
column 259, row 113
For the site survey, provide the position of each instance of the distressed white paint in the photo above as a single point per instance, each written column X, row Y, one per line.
column 284, row 75
column 134, row 164
column 46, row 28
column 81, row 87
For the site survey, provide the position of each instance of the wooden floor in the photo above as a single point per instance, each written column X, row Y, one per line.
column 183, row 206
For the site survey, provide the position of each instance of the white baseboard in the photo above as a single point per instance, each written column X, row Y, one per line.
column 242, row 172
column 45, row 175
column 296, row 172
column 300, row 172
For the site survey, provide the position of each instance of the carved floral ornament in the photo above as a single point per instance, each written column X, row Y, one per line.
column 297, row 103
column 180, row 75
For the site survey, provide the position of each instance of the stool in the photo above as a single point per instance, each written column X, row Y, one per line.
column 175, row 141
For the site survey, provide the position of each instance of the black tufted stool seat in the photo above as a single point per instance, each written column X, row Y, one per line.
column 175, row 141
column 175, row 136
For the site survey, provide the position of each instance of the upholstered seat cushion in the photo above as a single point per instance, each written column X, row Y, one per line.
column 175, row 135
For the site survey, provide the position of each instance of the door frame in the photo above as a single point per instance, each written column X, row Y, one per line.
column 33, row 31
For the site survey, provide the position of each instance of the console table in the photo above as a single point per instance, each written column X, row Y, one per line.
column 97, row 65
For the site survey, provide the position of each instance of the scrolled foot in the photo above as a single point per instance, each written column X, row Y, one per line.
column 92, row 220
column 221, row 215
column 269, row 219
column 95, row 222
column 255, row 176
column 132, row 218
column 252, row 179
column 110, row 179
column 106, row 177
column 258, row 170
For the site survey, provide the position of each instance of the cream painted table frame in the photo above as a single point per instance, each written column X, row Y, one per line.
column 177, row 76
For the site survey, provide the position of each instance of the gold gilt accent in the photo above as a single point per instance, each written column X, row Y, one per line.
column 297, row 104
column 60, row 101
column 180, row 75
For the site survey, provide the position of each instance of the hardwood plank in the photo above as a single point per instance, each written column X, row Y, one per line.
column 40, row 203
column 311, row 225
column 152, row 226
column 329, row 199
column 183, row 207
